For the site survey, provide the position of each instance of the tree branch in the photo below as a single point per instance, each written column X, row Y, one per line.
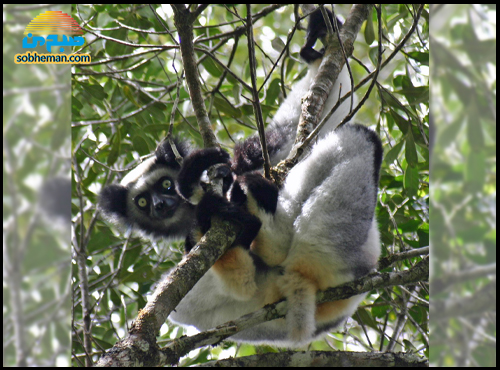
column 324, row 359
column 331, row 65
column 140, row 343
column 483, row 300
column 182, row 346
column 183, row 20
column 255, row 94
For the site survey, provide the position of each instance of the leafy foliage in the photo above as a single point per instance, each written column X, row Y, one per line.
column 464, row 186
column 36, row 242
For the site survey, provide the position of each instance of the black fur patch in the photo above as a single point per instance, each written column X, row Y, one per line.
column 373, row 138
column 262, row 190
column 165, row 155
column 328, row 326
column 316, row 29
column 248, row 154
column 238, row 196
column 194, row 165
column 189, row 243
column 259, row 264
column 113, row 200
column 361, row 270
column 215, row 205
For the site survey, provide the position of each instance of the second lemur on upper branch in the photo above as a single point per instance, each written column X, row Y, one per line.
column 316, row 232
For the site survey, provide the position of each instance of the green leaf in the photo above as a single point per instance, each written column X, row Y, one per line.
column 415, row 94
column 95, row 91
column 475, row 132
column 115, row 48
column 400, row 121
column 278, row 44
column 422, row 58
column 273, row 91
column 373, row 54
column 128, row 94
column 423, row 235
column 141, row 275
column 140, row 145
column 369, row 30
column 410, row 226
column 392, row 154
column 366, row 318
column 115, row 149
column 411, row 181
column 411, row 150
column 157, row 110
column 380, row 307
column 213, row 68
column 223, row 105
column 475, row 171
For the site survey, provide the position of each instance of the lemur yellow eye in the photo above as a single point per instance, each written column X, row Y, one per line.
column 142, row 202
column 166, row 184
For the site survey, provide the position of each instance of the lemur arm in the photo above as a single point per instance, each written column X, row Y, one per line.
column 280, row 134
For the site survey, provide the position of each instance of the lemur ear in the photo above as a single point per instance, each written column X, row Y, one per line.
column 165, row 155
column 113, row 200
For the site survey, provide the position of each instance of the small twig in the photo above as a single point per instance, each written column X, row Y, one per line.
column 337, row 31
column 183, row 20
column 255, row 95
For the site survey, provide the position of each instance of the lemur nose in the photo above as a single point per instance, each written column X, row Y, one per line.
column 160, row 203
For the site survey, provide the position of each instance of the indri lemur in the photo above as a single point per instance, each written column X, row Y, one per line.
column 317, row 232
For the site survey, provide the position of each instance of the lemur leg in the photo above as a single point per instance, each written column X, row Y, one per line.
column 260, row 197
column 235, row 268
column 300, row 294
column 236, row 271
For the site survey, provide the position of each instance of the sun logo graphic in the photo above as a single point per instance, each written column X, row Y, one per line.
column 45, row 28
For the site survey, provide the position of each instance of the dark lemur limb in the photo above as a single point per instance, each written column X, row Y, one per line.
column 281, row 132
column 316, row 29
column 316, row 103
column 236, row 268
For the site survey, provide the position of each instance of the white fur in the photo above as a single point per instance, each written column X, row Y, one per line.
column 323, row 229
column 138, row 172
column 289, row 111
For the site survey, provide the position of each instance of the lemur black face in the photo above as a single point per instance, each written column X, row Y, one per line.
column 146, row 200
column 160, row 201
